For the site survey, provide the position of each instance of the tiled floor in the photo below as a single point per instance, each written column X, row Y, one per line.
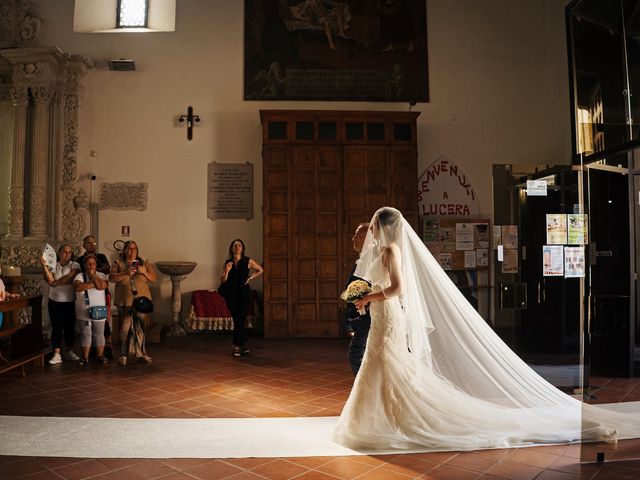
column 197, row 377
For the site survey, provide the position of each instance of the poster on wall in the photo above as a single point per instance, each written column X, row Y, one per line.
column 470, row 260
column 464, row 236
column 336, row 50
column 556, row 228
column 578, row 227
column 431, row 230
column 497, row 236
column 510, row 236
column 552, row 261
column 481, row 235
column 444, row 259
column 536, row 188
column 574, row 264
column 482, row 257
column 510, row 261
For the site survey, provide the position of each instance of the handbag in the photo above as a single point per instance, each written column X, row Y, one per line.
column 98, row 312
column 143, row 304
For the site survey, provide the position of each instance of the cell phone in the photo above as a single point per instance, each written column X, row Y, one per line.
column 135, row 264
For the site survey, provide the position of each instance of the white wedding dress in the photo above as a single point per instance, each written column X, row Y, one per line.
column 458, row 386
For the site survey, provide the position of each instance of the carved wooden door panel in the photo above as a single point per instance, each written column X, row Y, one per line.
column 316, row 227
column 365, row 189
column 324, row 173
column 277, row 240
column 375, row 177
column 403, row 184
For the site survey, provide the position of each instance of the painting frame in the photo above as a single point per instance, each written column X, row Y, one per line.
column 336, row 50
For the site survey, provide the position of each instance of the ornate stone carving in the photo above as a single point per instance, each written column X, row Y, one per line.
column 27, row 257
column 75, row 219
column 46, row 88
column 38, row 207
column 17, row 26
column 123, row 196
column 81, row 200
column 69, row 164
column 42, row 95
column 16, row 211
column 32, row 285
column 19, row 96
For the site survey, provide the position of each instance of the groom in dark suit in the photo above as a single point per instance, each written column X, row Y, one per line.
column 356, row 325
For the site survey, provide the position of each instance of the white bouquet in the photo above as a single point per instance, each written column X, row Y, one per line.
column 355, row 291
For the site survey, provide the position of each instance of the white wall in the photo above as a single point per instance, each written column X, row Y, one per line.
column 498, row 87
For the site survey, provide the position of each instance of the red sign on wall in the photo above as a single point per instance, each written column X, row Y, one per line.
column 445, row 191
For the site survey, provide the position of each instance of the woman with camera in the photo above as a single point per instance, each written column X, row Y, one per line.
column 91, row 308
column 131, row 274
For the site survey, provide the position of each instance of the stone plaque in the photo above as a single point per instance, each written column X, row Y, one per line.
column 230, row 191
column 123, row 196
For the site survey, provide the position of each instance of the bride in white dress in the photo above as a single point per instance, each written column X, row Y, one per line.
column 436, row 377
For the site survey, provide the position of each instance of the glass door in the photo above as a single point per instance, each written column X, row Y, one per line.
column 611, row 323
column 538, row 311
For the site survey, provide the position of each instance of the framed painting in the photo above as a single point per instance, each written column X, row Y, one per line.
column 336, row 50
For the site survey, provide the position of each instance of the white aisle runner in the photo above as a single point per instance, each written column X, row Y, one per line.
column 168, row 438
column 183, row 438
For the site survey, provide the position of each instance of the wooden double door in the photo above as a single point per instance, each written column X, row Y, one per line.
column 315, row 195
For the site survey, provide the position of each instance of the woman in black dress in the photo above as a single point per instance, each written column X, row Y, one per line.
column 236, row 274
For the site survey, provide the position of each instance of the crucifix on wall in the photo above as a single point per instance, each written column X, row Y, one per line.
column 190, row 120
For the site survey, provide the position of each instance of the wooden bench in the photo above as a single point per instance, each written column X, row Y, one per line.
column 27, row 344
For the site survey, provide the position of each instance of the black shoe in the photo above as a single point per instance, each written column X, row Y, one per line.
column 245, row 351
column 83, row 362
column 236, row 351
column 108, row 352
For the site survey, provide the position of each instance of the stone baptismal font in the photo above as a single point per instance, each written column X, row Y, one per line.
column 178, row 272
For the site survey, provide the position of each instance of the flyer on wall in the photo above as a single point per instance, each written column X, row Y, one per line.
column 552, row 261
column 510, row 236
column 556, row 228
column 444, row 259
column 464, row 236
column 481, row 235
column 470, row 260
column 497, row 236
column 510, row 261
column 578, row 225
column 430, row 230
column 574, row 265
column 482, row 257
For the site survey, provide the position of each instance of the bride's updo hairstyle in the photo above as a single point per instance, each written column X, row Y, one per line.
column 387, row 225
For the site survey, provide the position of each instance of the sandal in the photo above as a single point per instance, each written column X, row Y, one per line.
column 103, row 360
column 145, row 359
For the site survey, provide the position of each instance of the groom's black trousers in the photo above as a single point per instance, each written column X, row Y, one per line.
column 360, row 328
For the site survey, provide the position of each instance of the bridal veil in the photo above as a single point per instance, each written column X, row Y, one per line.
column 449, row 337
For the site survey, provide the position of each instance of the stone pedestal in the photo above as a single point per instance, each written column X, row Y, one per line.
column 178, row 272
